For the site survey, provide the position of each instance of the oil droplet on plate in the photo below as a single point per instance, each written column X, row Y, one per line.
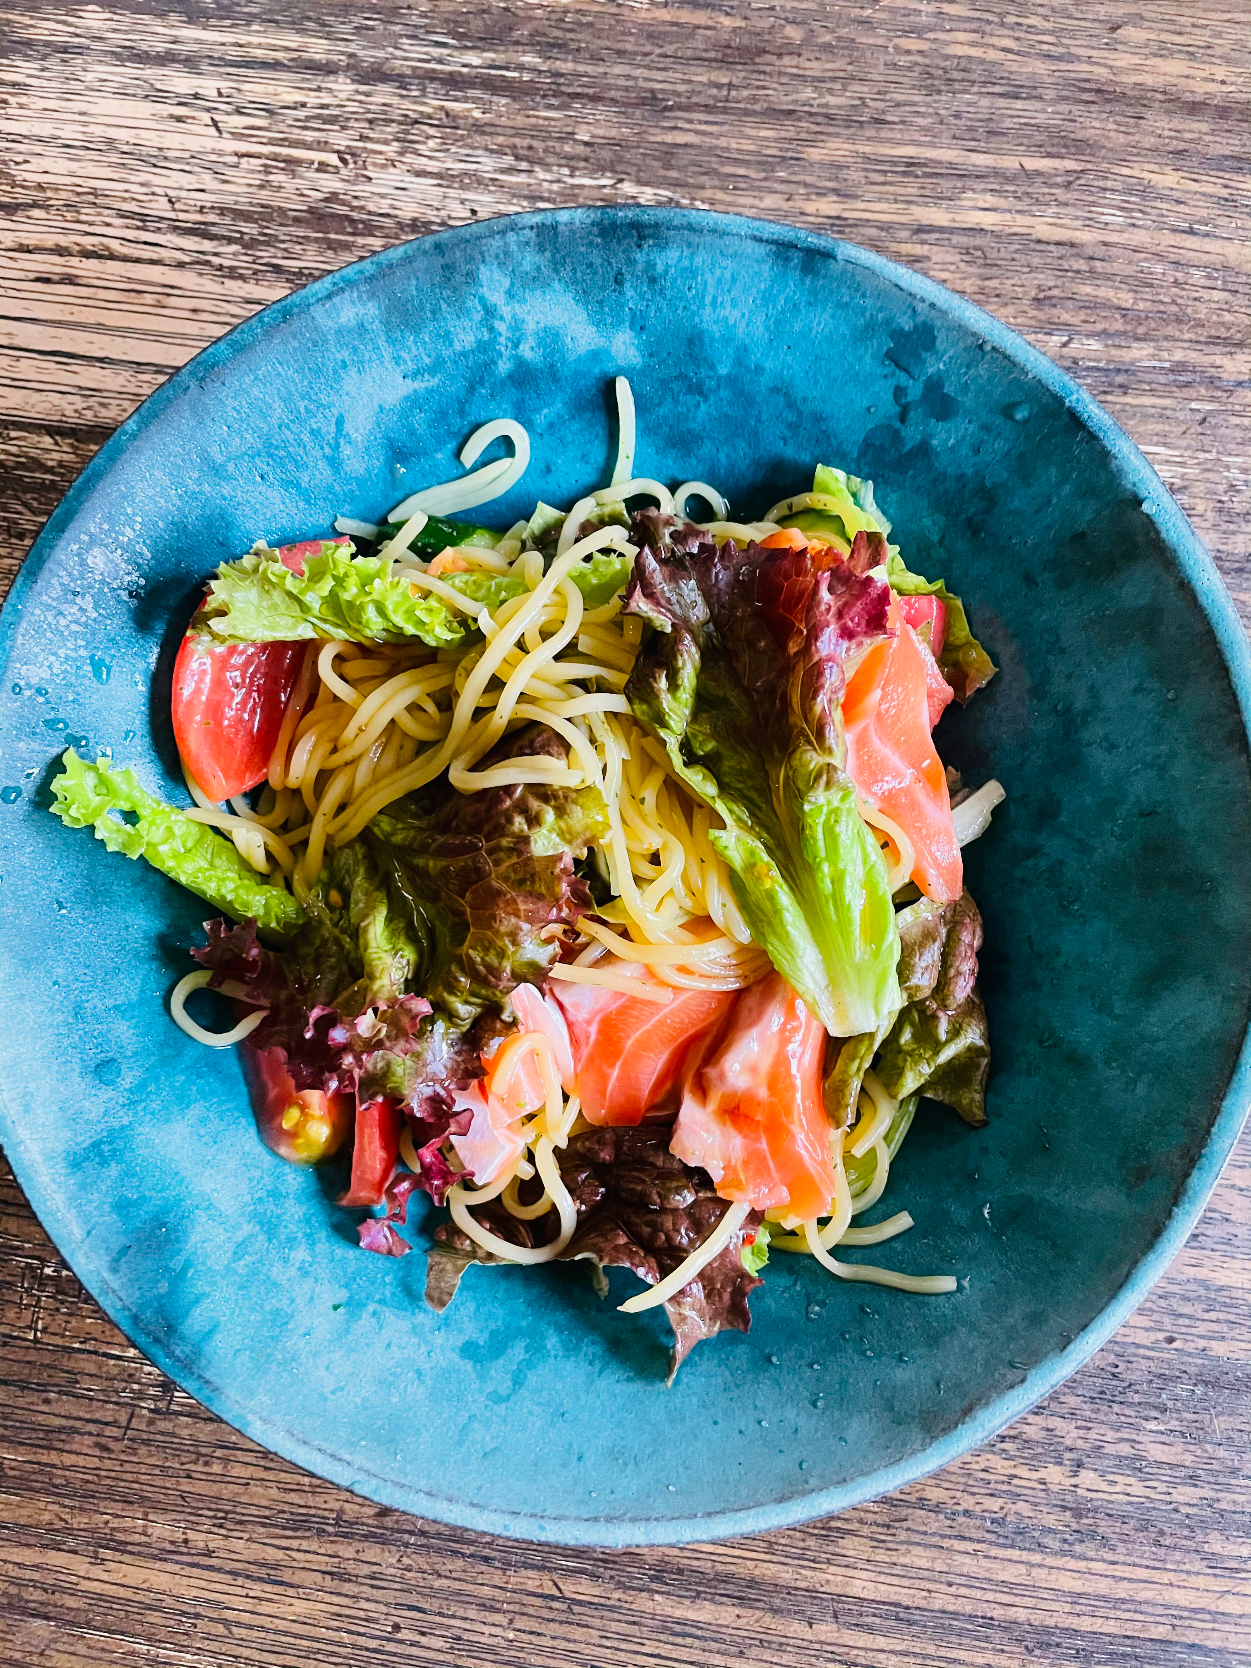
column 10, row 796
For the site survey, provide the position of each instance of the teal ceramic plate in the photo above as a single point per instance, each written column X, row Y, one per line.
column 1115, row 882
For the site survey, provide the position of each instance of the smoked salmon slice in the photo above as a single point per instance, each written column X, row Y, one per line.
column 752, row 1114
column 894, row 697
column 630, row 1054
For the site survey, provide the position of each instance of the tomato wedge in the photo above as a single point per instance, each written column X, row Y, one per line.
column 301, row 1125
column 376, row 1152
column 753, row 1116
column 893, row 699
column 228, row 704
column 927, row 615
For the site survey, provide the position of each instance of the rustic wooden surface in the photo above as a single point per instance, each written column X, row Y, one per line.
column 1081, row 169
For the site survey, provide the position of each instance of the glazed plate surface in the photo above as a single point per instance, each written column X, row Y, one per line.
column 1115, row 882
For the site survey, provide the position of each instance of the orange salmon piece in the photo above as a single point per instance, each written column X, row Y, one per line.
column 894, row 697
column 630, row 1055
column 752, row 1114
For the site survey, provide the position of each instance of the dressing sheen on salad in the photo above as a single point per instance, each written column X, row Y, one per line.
column 598, row 877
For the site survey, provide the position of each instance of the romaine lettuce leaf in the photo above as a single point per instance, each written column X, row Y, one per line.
column 129, row 819
column 754, row 729
column 259, row 599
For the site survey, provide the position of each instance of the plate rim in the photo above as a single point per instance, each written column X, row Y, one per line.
column 1195, row 566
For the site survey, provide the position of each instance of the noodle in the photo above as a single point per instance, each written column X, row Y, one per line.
column 213, row 1039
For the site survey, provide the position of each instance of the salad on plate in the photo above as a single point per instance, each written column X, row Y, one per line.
column 597, row 876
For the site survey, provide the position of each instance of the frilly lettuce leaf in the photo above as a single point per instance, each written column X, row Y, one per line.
column 355, row 599
column 943, row 1055
column 479, row 876
column 838, row 507
column 441, row 901
column 352, row 598
column 128, row 819
column 940, row 1045
column 754, row 729
column 937, row 1044
column 639, row 1208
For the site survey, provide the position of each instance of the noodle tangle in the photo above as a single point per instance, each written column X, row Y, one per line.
column 369, row 723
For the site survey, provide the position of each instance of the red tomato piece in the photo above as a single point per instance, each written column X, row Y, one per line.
column 928, row 618
column 228, row 704
column 293, row 556
column 301, row 1125
column 753, row 1115
column 376, row 1152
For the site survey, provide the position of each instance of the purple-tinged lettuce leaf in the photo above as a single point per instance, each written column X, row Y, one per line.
column 938, row 945
column 480, row 878
column 435, row 1174
column 380, row 1235
column 639, row 1207
column 963, row 661
column 940, row 1044
column 741, row 679
column 415, row 937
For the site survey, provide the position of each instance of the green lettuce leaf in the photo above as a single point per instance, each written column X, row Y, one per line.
column 354, row 599
column 845, row 1067
column 753, row 728
column 478, row 877
column 838, row 507
column 755, row 1252
column 945, row 1056
column 938, row 945
column 128, row 819
column 442, row 902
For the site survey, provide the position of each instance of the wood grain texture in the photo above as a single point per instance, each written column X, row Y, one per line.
column 1078, row 168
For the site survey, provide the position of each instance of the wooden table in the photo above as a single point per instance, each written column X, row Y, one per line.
column 1080, row 168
